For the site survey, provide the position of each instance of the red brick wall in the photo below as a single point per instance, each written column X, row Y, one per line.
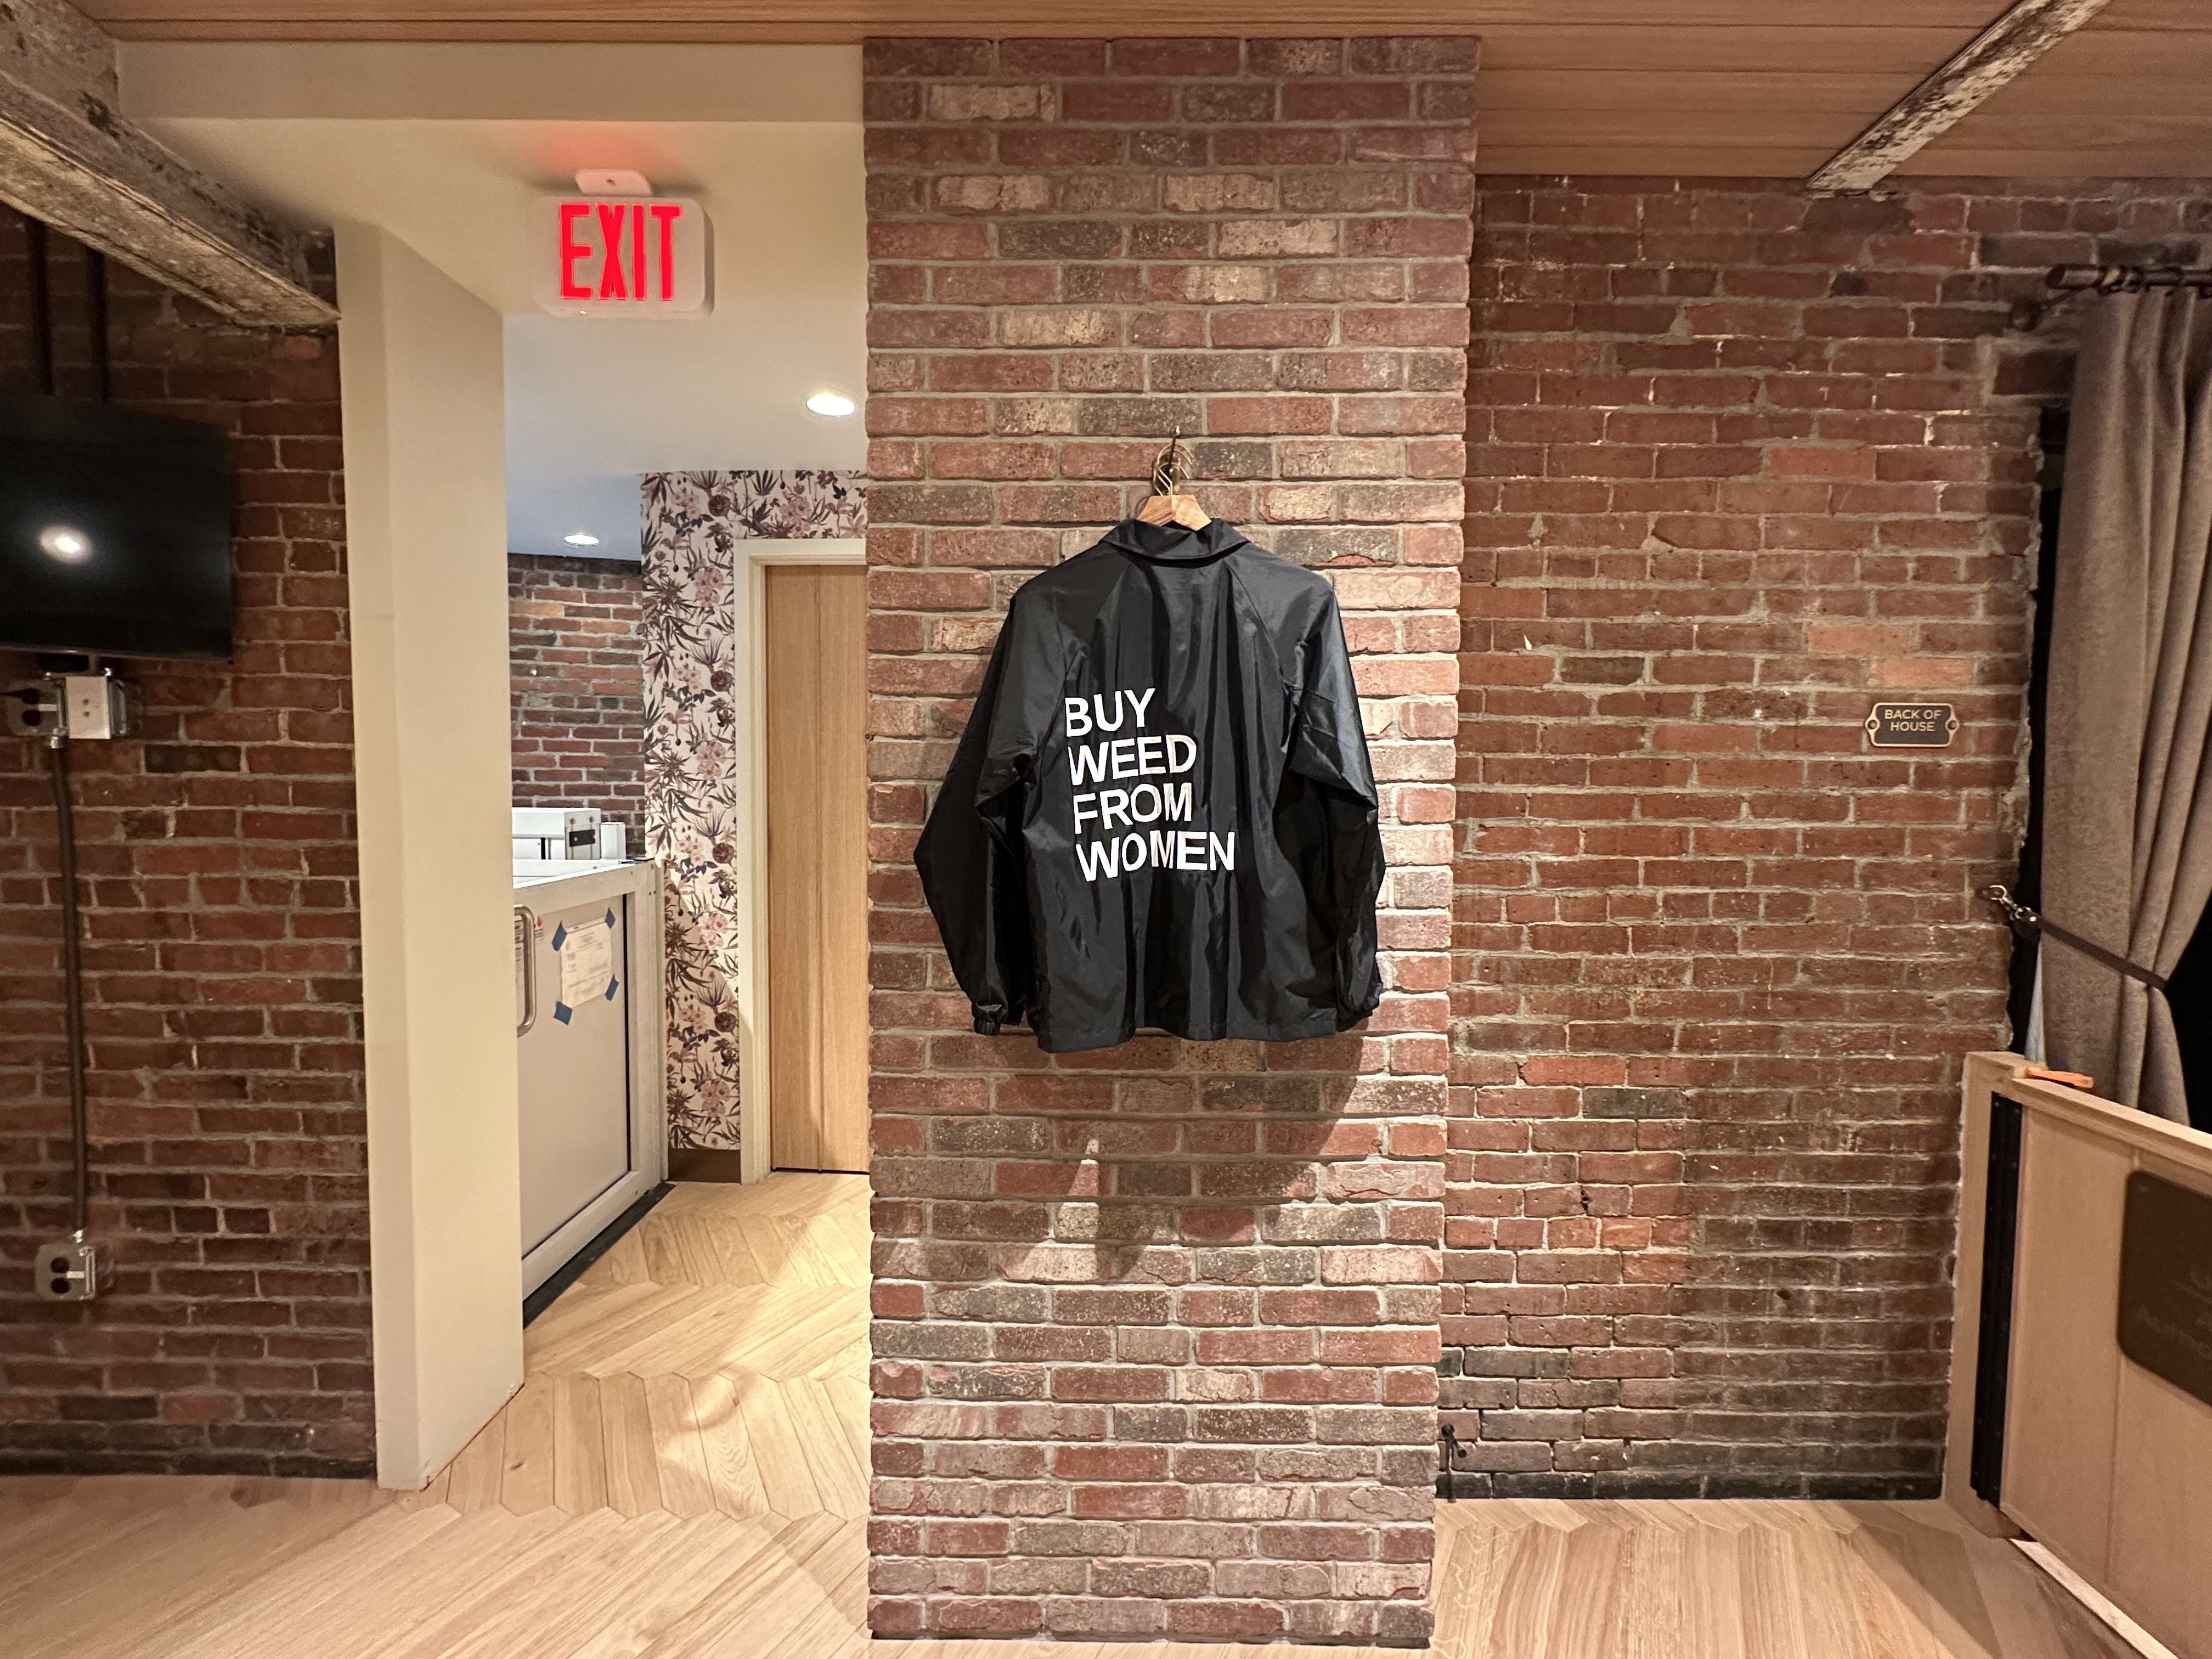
column 1741, row 464
column 218, row 861
column 1156, row 1332
column 578, row 685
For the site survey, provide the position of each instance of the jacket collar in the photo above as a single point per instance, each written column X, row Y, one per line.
column 1171, row 543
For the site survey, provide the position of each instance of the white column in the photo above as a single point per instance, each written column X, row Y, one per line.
column 426, row 527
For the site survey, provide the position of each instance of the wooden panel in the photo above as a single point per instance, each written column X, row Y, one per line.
column 2192, row 160
column 1618, row 160
column 2184, row 15
column 1902, row 53
column 1750, row 131
column 1645, row 86
column 2130, row 105
column 2161, row 1543
column 851, row 19
column 2162, row 1535
column 2065, row 1363
column 2106, row 54
column 2105, row 1463
column 817, row 919
column 1571, row 92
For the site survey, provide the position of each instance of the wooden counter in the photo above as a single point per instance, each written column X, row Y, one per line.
column 2105, row 1463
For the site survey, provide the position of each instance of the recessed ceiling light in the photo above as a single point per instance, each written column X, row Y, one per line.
column 836, row 405
column 59, row 541
column 581, row 538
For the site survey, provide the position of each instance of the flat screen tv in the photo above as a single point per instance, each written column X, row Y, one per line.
column 114, row 531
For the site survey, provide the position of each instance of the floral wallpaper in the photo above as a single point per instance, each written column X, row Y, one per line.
column 692, row 523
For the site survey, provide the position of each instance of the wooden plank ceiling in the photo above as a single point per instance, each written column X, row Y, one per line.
column 1747, row 88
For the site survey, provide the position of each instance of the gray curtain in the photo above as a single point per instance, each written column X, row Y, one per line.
column 2128, row 826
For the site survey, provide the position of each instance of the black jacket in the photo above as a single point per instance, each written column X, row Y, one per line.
column 1162, row 814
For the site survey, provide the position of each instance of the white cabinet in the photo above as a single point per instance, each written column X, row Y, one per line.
column 589, row 1002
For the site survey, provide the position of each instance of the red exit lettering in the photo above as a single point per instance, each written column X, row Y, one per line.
column 632, row 246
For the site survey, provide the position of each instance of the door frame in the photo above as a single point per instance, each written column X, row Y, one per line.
column 750, row 597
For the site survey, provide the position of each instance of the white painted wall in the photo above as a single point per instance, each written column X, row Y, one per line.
column 592, row 404
column 487, row 81
column 446, row 145
column 426, row 535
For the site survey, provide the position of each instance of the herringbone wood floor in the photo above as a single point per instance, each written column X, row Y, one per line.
column 684, row 1475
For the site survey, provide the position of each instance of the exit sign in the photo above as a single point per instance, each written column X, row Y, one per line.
column 622, row 256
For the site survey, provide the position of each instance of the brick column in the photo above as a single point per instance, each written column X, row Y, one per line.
column 1156, row 1335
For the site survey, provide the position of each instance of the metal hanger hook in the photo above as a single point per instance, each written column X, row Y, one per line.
column 1172, row 469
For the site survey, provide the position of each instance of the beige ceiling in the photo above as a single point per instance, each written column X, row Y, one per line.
column 1767, row 87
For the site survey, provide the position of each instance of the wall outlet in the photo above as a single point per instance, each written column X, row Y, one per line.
column 34, row 708
column 74, row 1269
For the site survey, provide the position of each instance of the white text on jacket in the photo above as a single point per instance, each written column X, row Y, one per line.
column 1145, row 798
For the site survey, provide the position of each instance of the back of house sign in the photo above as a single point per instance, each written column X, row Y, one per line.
column 1912, row 725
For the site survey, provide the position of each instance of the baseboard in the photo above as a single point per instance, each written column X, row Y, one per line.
column 2096, row 1602
column 716, row 1163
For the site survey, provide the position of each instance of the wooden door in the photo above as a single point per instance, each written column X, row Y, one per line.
column 817, row 867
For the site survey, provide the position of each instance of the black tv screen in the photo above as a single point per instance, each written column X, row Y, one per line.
column 114, row 531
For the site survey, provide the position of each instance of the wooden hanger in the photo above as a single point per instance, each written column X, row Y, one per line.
column 1166, row 504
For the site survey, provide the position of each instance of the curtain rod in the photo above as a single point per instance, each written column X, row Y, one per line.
column 2071, row 282
column 2125, row 279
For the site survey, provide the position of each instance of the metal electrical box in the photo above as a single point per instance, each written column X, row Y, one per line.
column 73, row 1269
column 98, row 706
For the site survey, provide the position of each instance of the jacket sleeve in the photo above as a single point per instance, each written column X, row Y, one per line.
column 1328, row 815
column 971, row 857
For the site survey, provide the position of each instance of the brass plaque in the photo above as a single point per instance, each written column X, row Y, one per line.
column 2165, row 1283
column 1913, row 725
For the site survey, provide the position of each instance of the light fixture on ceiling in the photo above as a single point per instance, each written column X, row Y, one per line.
column 59, row 541
column 581, row 538
column 835, row 405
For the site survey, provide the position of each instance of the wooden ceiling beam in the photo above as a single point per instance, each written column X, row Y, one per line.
column 1993, row 57
column 850, row 21
column 68, row 159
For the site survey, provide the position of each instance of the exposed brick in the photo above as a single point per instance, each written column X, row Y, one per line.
column 216, row 856
column 1239, row 1242
column 577, row 686
column 1716, row 960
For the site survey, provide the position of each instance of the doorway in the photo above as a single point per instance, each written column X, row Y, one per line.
column 814, row 719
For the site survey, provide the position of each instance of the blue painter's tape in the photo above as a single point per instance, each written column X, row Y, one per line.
column 613, row 985
column 563, row 1012
column 560, row 934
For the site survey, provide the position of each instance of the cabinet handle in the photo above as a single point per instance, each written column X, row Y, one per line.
column 526, row 928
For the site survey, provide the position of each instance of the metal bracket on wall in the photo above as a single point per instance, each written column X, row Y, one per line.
column 1448, row 1449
